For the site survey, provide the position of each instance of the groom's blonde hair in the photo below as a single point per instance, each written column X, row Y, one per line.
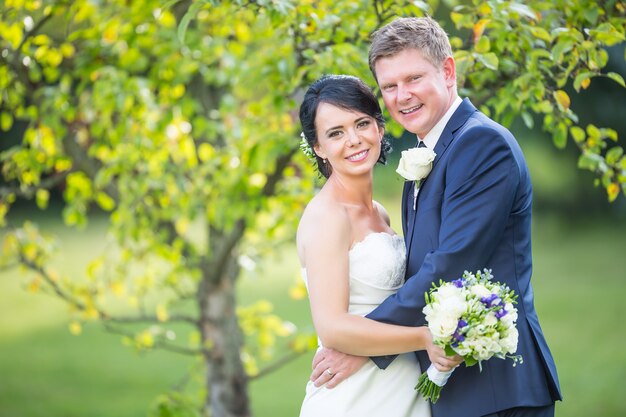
column 421, row 33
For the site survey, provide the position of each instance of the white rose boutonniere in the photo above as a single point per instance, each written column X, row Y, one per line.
column 415, row 165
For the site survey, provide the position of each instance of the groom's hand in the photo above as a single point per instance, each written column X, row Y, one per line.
column 331, row 367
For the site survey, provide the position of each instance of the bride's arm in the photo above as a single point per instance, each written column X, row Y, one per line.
column 324, row 241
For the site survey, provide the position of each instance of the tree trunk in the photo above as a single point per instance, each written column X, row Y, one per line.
column 226, row 380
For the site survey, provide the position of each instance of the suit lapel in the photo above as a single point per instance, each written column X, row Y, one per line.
column 458, row 119
column 405, row 210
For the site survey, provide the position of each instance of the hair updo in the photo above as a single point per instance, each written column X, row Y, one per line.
column 346, row 92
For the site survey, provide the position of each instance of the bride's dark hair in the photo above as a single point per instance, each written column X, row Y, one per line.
column 344, row 91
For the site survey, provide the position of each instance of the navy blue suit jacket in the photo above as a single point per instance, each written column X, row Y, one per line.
column 474, row 212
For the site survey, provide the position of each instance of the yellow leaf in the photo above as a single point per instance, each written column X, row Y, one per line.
column 249, row 364
column 257, row 180
column 62, row 165
column 484, row 9
column 585, row 83
column 94, row 267
column 161, row 313
column 298, row 291
column 34, row 285
column 133, row 301
column 205, row 152
column 75, row 328
column 479, row 29
column 177, row 91
column 10, row 244
column 104, row 201
column 181, row 225
column 91, row 313
column 242, row 31
column 4, row 208
column 110, row 33
column 118, row 289
column 167, row 19
column 54, row 58
column 30, row 251
column 53, row 275
column 67, row 50
column 613, row 191
column 41, row 197
column 562, row 98
column 145, row 339
column 13, row 34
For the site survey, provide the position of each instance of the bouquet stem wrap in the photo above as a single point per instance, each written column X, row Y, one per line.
column 431, row 382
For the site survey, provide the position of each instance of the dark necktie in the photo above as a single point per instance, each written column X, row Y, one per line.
column 420, row 144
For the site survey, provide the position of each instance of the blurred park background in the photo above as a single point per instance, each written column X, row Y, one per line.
column 579, row 279
column 52, row 365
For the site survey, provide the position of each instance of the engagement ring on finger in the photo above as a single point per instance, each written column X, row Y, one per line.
column 329, row 373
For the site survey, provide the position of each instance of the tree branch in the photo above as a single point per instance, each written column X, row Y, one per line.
column 159, row 343
column 278, row 364
column 46, row 183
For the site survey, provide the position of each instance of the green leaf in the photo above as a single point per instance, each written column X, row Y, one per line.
column 607, row 34
column 617, row 78
column 578, row 134
column 483, row 45
column 523, row 10
column 561, row 48
column 489, row 60
column 6, row 121
column 589, row 161
column 540, row 33
column 449, row 351
column 190, row 14
column 613, row 154
column 593, row 132
column 562, row 99
column 528, row 119
column 469, row 361
column 559, row 136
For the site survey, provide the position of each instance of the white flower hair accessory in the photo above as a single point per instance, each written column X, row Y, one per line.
column 306, row 148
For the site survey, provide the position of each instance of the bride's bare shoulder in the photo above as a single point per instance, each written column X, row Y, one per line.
column 382, row 212
column 323, row 215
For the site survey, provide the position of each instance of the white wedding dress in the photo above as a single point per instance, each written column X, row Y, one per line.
column 377, row 266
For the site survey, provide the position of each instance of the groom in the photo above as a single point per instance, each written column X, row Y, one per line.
column 473, row 211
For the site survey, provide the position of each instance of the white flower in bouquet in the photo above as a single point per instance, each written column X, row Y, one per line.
column 473, row 317
column 509, row 342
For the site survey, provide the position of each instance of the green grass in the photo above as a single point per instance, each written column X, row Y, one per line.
column 45, row 371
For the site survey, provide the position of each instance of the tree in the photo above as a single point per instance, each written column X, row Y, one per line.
column 178, row 120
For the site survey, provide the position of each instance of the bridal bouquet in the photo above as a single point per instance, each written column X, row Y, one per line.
column 473, row 317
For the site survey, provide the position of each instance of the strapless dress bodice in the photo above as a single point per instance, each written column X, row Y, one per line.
column 376, row 270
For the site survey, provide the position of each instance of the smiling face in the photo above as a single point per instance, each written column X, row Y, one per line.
column 349, row 140
column 416, row 93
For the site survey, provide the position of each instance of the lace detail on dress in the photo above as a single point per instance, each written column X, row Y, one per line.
column 379, row 260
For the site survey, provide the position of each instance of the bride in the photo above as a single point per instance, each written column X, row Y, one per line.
column 352, row 260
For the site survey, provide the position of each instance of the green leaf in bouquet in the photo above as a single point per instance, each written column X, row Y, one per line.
column 449, row 350
column 469, row 361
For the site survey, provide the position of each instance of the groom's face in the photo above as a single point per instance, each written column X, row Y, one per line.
column 416, row 93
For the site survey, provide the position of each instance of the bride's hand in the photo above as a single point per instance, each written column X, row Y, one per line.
column 330, row 367
column 440, row 360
